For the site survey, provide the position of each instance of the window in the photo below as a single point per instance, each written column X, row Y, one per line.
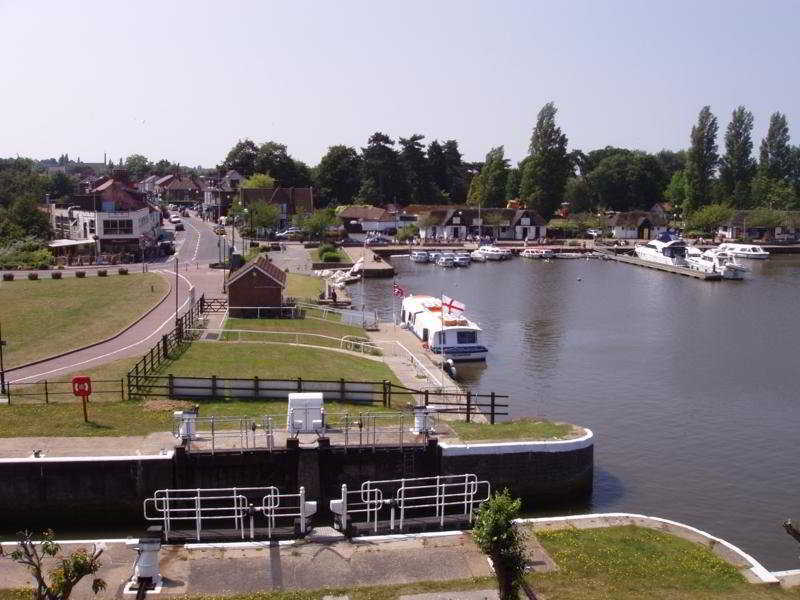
column 117, row 227
column 467, row 337
column 91, row 226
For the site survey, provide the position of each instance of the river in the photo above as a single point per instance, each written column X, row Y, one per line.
column 688, row 385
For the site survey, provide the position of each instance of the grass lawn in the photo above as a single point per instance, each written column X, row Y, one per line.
column 316, row 326
column 518, row 430
column 204, row 359
column 49, row 316
column 303, row 286
column 633, row 562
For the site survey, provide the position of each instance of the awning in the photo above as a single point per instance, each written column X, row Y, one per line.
column 66, row 243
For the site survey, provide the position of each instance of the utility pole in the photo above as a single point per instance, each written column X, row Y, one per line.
column 176, row 291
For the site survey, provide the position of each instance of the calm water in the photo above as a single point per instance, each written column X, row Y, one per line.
column 689, row 386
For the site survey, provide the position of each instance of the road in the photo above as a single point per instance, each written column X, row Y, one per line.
column 196, row 247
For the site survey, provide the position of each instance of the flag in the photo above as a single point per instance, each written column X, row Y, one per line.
column 398, row 291
column 451, row 304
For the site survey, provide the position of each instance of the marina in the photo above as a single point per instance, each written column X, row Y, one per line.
column 696, row 427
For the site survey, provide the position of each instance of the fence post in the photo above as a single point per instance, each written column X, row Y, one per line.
column 299, row 384
column 214, row 387
column 8, row 393
column 122, row 389
column 129, row 385
column 491, row 418
column 341, row 389
column 426, row 398
column 469, row 402
column 165, row 342
column 389, row 398
column 203, row 303
column 384, row 399
column 171, row 385
column 255, row 387
column 46, row 396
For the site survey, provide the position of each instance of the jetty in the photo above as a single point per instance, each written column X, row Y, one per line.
column 633, row 260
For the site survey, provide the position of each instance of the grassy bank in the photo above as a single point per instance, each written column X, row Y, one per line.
column 303, row 286
column 46, row 317
column 281, row 330
column 632, row 562
column 203, row 359
column 518, row 430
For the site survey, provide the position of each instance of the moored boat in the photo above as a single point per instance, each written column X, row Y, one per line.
column 462, row 260
column 477, row 256
column 450, row 334
column 492, row 252
column 419, row 256
column 715, row 261
column 744, row 250
column 671, row 252
column 446, row 260
column 536, row 253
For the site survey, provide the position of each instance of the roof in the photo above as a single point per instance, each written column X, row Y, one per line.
column 64, row 243
column 469, row 215
column 164, row 179
column 262, row 264
column 365, row 213
column 635, row 218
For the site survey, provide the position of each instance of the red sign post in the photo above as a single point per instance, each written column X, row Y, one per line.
column 82, row 386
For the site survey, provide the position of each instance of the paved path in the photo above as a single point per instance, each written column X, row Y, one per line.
column 334, row 563
column 23, row 447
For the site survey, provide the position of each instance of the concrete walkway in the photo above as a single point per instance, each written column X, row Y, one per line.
column 332, row 561
column 131, row 445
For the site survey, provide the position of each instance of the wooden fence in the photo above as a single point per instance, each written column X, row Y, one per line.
column 46, row 392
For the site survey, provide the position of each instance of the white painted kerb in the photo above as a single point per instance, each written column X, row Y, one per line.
column 61, row 459
column 584, row 441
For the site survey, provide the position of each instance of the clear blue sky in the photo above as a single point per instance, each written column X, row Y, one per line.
column 186, row 80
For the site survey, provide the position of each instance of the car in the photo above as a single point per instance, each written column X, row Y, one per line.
column 174, row 219
column 184, row 213
column 594, row 232
column 219, row 230
column 179, row 227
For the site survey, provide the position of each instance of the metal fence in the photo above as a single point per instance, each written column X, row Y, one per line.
column 46, row 392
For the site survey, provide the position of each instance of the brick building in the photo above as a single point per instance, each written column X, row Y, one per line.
column 258, row 283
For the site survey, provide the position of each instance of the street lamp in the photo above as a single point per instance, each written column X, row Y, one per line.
column 2, row 368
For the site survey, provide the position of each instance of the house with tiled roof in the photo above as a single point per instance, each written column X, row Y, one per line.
column 460, row 222
column 637, row 225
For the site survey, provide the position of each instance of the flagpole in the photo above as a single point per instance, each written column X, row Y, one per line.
column 363, row 298
column 441, row 335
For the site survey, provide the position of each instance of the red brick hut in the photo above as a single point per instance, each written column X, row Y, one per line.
column 257, row 283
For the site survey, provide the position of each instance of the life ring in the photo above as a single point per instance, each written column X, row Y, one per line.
column 425, row 346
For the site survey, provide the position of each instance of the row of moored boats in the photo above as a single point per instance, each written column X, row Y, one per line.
column 489, row 253
column 721, row 260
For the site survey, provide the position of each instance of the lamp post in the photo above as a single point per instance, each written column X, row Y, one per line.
column 2, row 368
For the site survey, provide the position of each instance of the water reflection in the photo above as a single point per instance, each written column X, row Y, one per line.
column 689, row 386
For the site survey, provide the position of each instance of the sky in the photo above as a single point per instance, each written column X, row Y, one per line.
column 186, row 80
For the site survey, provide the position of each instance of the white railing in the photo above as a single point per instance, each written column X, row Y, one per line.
column 347, row 316
column 235, row 506
column 291, row 337
column 248, row 431
column 397, row 500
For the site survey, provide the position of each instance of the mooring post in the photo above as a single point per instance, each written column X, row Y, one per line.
column 491, row 417
column 469, row 402
column 46, row 397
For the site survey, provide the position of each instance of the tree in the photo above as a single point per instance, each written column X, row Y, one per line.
column 671, row 162
column 258, row 181
column 457, row 173
column 437, row 166
column 701, row 161
column 775, row 152
column 63, row 578
column 274, row 159
column 765, row 217
column 163, row 167
column 407, row 232
column 382, row 178
column 709, row 217
column 138, row 166
column 627, row 180
column 494, row 220
column 773, row 193
column 488, row 188
column 242, row 159
column 578, row 194
column 317, row 223
column 495, row 534
column 676, row 190
column 545, row 175
column 338, row 176
column 415, row 166
column 264, row 215
column 61, row 185
column 25, row 219
column 512, row 184
column 737, row 167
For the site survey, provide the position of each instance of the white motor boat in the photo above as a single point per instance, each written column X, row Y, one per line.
column 744, row 250
column 433, row 255
column 446, row 260
column 477, row 256
column 714, row 261
column 536, row 253
column 450, row 334
column 462, row 260
column 665, row 253
column 419, row 256
column 492, row 252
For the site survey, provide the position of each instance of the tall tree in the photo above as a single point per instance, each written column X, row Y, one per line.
column 701, row 161
column 415, row 166
column 627, row 180
column 273, row 158
column 671, row 162
column 437, row 166
column 259, row 181
column 488, row 188
column 457, row 173
column 545, row 175
column 512, row 184
column 737, row 167
column 241, row 158
column 776, row 153
column 337, row 177
column 138, row 166
column 383, row 180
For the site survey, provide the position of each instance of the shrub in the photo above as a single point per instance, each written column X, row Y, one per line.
column 122, row 271
column 8, row 277
column 33, row 276
column 55, row 275
column 80, row 274
column 102, row 272
column 330, row 256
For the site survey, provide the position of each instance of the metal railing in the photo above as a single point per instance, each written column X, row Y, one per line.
column 236, row 509
column 260, row 336
column 395, row 501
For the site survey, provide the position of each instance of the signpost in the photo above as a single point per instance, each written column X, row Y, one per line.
column 82, row 387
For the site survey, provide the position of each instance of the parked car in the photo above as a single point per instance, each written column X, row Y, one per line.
column 174, row 219
column 179, row 227
column 184, row 213
column 594, row 232
column 377, row 240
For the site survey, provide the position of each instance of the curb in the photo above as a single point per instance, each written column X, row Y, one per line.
column 92, row 345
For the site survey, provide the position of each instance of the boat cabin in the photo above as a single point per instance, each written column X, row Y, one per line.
column 443, row 332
